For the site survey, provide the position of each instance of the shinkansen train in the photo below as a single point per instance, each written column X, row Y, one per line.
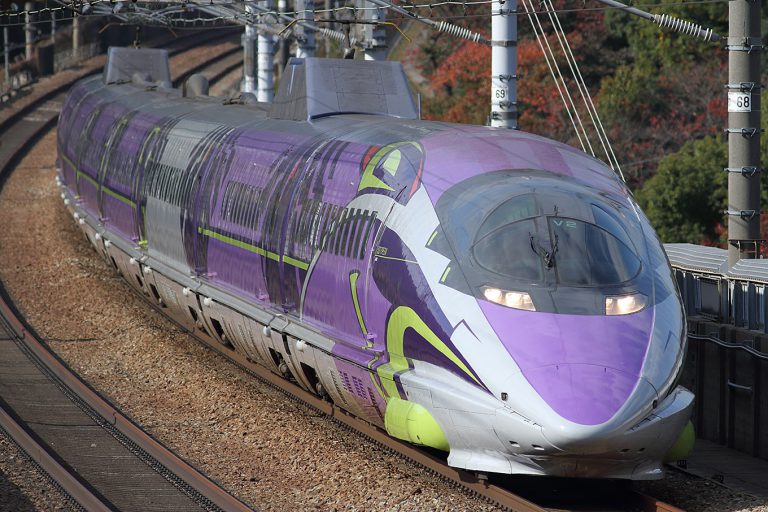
column 489, row 293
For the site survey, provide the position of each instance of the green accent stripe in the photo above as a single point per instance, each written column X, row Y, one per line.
column 445, row 274
column 360, row 320
column 252, row 248
column 294, row 262
column 432, row 238
column 400, row 320
column 80, row 174
column 120, row 197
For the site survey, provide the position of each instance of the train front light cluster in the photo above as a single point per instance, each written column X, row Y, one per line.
column 511, row 299
column 625, row 304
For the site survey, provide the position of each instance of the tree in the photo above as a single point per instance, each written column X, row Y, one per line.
column 686, row 198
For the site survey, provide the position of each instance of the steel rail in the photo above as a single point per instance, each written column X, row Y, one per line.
column 12, row 326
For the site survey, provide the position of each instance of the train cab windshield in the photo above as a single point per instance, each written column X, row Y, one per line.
column 532, row 240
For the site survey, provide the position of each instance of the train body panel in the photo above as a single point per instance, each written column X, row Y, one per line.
column 485, row 292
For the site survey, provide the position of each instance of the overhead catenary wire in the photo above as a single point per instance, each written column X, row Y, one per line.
column 552, row 65
column 663, row 20
column 584, row 91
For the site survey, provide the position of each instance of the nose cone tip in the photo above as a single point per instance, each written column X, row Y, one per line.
column 582, row 393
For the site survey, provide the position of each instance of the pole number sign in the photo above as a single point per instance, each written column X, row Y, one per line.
column 739, row 101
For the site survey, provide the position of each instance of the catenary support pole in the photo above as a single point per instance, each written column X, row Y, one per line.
column 283, row 53
column 744, row 53
column 249, row 57
column 6, row 56
column 75, row 33
column 373, row 36
column 29, row 30
column 305, row 12
column 504, row 64
column 266, row 51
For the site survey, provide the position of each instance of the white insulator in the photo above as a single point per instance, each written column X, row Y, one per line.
column 207, row 301
column 107, row 244
column 66, row 202
column 457, row 31
column 63, row 195
column 147, row 270
column 267, row 331
column 81, row 221
column 132, row 261
column 76, row 215
column 97, row 236
column 331, row 34
column 186, row 291
column 301, row 345
column 682, row 26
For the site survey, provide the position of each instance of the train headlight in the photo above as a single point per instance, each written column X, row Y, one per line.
column 625, row 304
column 511, row 299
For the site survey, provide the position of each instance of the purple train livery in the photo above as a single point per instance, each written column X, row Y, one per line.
column 484, row 292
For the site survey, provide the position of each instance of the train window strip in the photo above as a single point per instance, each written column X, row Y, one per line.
column 354, row 231
column 240, row 204
column 346, row 227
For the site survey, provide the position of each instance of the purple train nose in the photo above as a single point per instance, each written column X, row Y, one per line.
column 582, row 393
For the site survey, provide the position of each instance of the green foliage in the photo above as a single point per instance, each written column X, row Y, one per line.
column 652, row 46
column 686, row 198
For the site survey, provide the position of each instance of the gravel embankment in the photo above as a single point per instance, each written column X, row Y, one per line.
column 23, row 487
column 271, row 452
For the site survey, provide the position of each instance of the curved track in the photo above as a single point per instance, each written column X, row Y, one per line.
column 93, row 452
column 35, row 123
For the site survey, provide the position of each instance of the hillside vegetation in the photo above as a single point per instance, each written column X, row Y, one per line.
column 660, row 96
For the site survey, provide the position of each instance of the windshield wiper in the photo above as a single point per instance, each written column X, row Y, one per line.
column 547, row 256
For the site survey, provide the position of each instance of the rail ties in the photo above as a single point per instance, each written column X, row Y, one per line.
column 99, row 457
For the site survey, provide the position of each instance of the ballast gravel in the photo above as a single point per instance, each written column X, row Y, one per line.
column 269, row 451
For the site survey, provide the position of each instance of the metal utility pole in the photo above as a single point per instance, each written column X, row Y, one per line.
column 249, row 50
column 373, row 36
column 305, row 11
column 504, row 64
column 745, row 48
column 266, row 62
column 29, row 31
column 75, row 32
column 6, row 56
column 282, row 44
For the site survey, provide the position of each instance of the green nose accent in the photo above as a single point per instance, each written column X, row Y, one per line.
column 411, row 422
column 683, row 446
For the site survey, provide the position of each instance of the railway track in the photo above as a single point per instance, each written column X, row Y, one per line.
column 95, row 454
column 495, row 492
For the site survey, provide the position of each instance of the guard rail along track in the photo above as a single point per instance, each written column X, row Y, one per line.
column 86, row 447
column 471, row 482
column 727, row 362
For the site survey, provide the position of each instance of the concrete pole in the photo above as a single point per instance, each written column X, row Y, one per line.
column 744, row 54
column 249, row 50
column 266, row 62
column 29, row 31
column 53, row 27
column 328, row 14
column 374, row 36
column 305, row 10
column 6, row 56
column 75, row 33
column 504, row 64
column 282, row 46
